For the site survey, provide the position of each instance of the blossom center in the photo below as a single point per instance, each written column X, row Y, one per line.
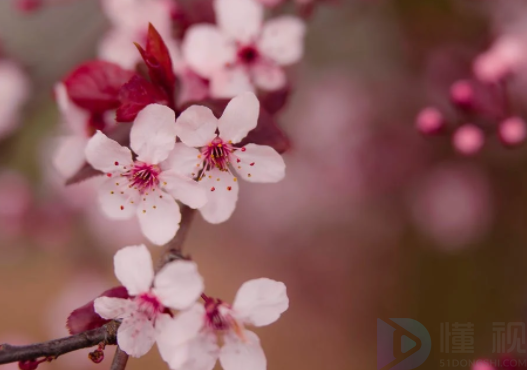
column 217, row 317
column 143, row 176
column 149, row 305
column 217, row 155
column 248, row 54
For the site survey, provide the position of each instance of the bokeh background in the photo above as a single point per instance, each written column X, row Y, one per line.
column 372, row 221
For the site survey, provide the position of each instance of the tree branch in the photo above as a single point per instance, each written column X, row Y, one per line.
column 54, row 348
column 106, row 334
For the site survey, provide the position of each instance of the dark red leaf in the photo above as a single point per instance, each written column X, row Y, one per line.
column 95, row 85
column 266, row 132
column 188, row 13
column 157, row 58
column 137, row 94
column 85, row 318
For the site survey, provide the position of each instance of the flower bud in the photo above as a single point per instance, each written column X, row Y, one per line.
column 468, row 139
column 462, row 94
column 429, row 121
column 512, row 131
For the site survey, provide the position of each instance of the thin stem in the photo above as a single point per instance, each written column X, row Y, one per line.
column 54, row 348
column 119, row 359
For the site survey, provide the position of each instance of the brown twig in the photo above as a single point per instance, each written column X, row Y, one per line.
column 119, row 359
column 54, row 348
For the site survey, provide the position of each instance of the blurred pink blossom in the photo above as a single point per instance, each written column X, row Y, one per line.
column 16, row 200
column 241, row 52
column 505, row 56
column 512, row 131
column 452, row 205
column 468, row 139
column 14, row 92
column 429, row 121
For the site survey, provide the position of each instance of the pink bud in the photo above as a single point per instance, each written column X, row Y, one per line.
column 512, row 131
column 462, row 93
column 468, row 139
column 28, row 5
column 429, row 121
column 28, row 365
column 96, row 356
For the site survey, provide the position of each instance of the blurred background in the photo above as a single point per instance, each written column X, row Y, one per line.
column 373, row 220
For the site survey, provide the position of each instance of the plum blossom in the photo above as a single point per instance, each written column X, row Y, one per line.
column 130, row 19
column 178, row 285
column 242, row 52
column 217, row 157
column 14, row 91
column 147, row 185
column 190, row 340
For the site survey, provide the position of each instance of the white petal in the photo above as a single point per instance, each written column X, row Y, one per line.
column 196, row 126
column 134, row 269
column 117, row 200
column 184, row 160
column 206, row 49
column 239, row 19
column 229, row 82
column 260, row 302
column 159, row 217
column 260, row 163
column 136, row 335
column 282, row 40
column 184, row 189
column 69, row 156
column 240, row 117
column 268, row 76
column 221, row 201
column 117, row 47
column 102, row 153
column 113, row 308
column 74, row 117
column 178, row 285
column 153, row 133
column 242, row 355
column 176, row 334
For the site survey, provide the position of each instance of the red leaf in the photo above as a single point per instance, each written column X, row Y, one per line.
column 157, row 59
column 137, row 94
column 85, row 318
column 266, row 132
column 95, row 85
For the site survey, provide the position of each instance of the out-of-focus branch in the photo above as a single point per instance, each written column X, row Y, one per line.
column 119, row 359
column 54, row 348
column 173, row 250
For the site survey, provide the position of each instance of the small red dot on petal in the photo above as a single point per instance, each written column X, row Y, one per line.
column 116, row 163
column 229, row 188
column 238, row 160
column 212, row 189
column 252, row 164
column 109, row 174
column 243, row 149
column 122, row 207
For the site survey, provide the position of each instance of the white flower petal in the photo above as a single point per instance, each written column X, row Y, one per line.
column 240, row 117
column 229, row 82
column 69, row 156
column 153, row 133
column 242, row 355
column 184, row 160
column 282, row 39
column 260, row 302
column 113, row 308
column 117, row 47
column 134, row 269
column 196, row 126
column 184, row 189
column 136, row 335
column 159, row 217
column 260, row 163
column 178, row 285
column 268, row 76
column 117, row 200
column 221, row 201
column 74, row 117
column 102, row 153
column 239, row 19
column 206, row 49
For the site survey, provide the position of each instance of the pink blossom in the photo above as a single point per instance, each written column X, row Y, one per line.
column 147, row 185
column 14, row 91
column 178, row 285
column 468, row 139
column 130, row 19
column 512, row 131
column 505, row 56
column 429, row 121
column 218, row 157
column 190, row 340
column 242, row 52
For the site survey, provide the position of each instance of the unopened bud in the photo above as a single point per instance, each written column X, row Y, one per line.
column 429, row 121
column 468, row 139
column 512, row 131
column 462, row 94
column 28, row 365
column 96, row 356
